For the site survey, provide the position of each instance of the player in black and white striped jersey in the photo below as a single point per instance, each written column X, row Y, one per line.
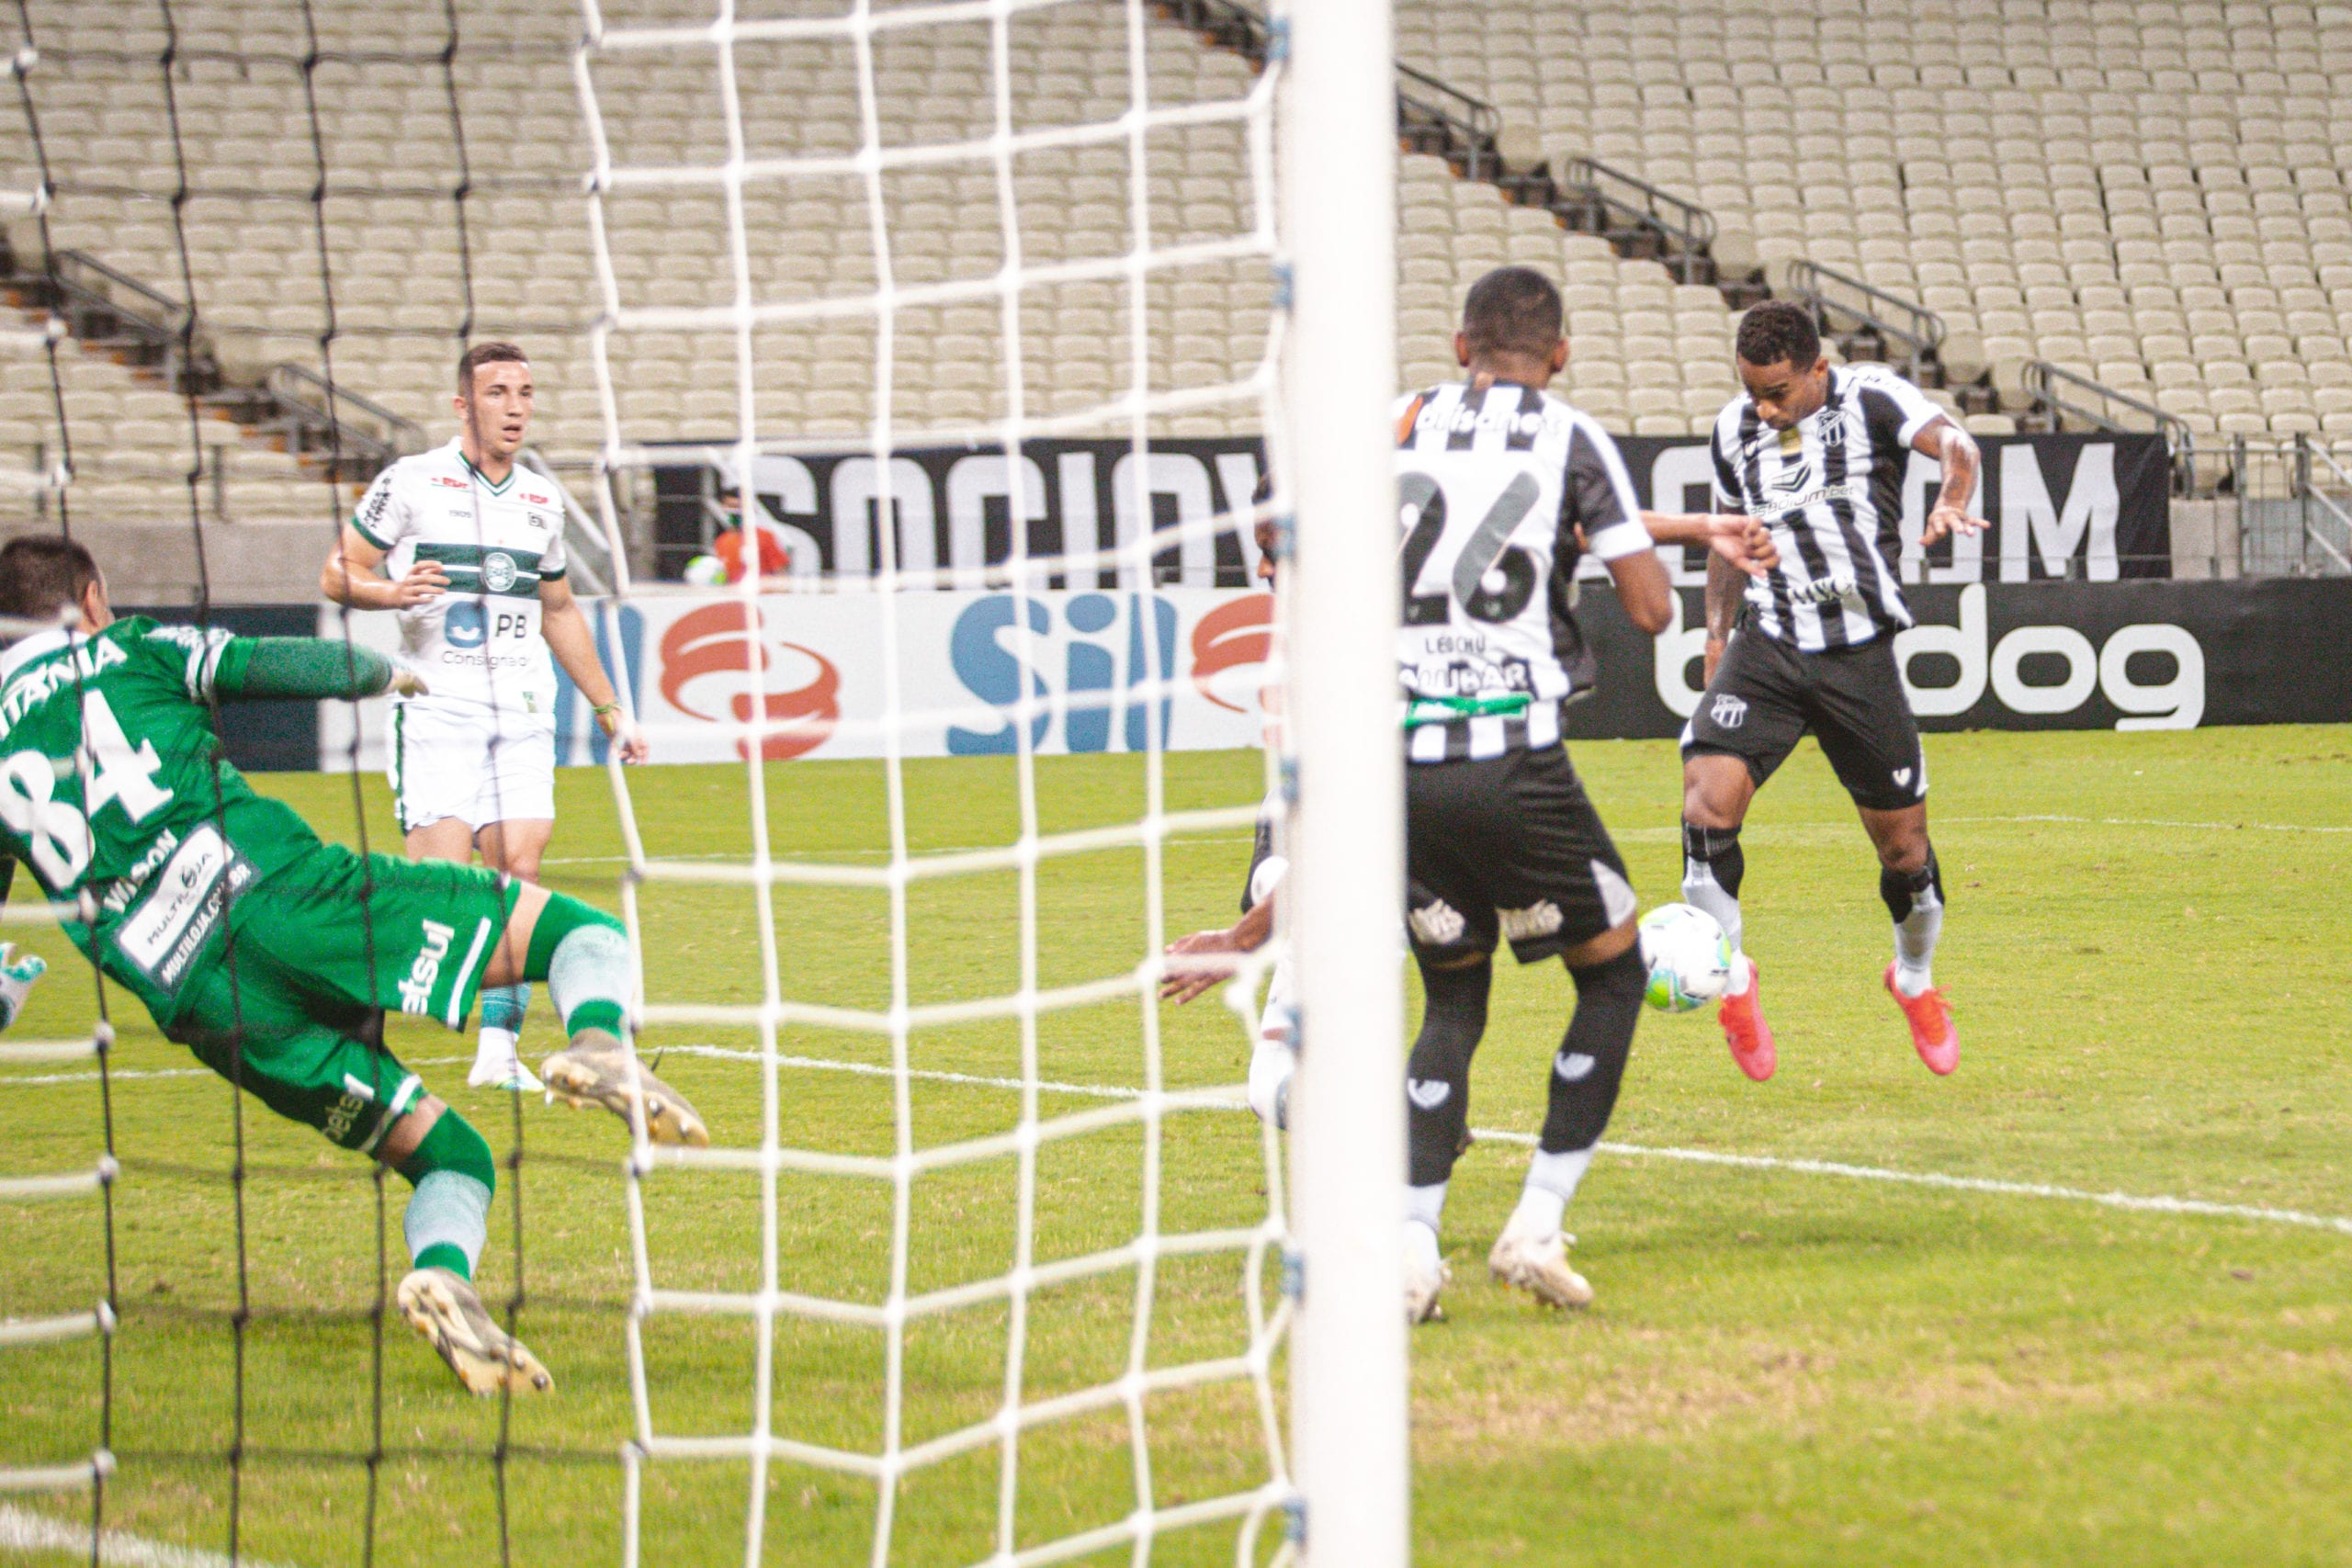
column 1502, row 488
column 1817, row 454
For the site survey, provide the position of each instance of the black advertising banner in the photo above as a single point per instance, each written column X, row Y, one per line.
column 2085, row 508
column 259, row 737
column 2040, row 655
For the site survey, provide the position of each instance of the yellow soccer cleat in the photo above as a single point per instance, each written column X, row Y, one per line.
column 446, row 1311
column 597, row 1069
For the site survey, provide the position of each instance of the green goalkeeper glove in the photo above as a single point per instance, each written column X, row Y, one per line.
column 16, row 978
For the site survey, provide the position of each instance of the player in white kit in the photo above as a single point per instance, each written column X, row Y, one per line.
column 472, row 546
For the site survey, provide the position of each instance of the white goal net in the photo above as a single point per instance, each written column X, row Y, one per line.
column 967, row 1133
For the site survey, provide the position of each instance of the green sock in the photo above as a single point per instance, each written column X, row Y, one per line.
column 446, row 1255
column 583, row 954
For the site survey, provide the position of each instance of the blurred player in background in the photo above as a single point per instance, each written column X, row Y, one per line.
column 1817, row 455
column 474, row 546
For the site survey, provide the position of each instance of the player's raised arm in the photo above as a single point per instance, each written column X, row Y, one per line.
column 1956, row 450
column 349, row 577
column 257, row 669
column 575, row 647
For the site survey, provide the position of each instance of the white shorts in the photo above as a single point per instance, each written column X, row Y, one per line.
column 471, row 762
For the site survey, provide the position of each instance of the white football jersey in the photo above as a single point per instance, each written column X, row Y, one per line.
column 478, row 643
column 1491, row 488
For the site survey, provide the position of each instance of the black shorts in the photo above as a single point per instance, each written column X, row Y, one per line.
column 1766, row 695
column 1507, row 847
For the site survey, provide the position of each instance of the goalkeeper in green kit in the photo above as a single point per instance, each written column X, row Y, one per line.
column 271, row 955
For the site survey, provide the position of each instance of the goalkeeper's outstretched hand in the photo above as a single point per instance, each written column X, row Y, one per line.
column 18, row 976
column 407, row 682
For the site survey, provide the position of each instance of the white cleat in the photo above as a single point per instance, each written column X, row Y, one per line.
column 1421, row 1288
column 1539, row 1265
column 597, row 1069
column 510, row 1075
column 445, row 1310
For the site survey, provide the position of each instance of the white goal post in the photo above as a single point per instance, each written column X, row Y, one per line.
column 1339, row 160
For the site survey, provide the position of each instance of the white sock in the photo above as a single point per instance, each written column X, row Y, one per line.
column 1701, row 891
column 496, row 1047
column 1423, row 1206
column 1420, row 1249
column 1914, row 943
column 1551, row 1181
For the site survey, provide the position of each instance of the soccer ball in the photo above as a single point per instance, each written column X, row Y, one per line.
column 707, row 571
column 1687, row 955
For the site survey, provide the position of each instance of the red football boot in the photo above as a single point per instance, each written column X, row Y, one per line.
column 1745, row 1032
column 1932, row 1035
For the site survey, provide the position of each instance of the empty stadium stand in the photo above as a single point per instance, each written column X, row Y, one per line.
column 2149, row 197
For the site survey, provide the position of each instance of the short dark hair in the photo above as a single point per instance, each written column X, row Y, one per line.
column 43, row 573
column 1778, row 332
column 484, row 354
column 1512, row 310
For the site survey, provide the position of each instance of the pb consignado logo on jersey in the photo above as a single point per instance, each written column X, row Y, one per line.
column 465, row 624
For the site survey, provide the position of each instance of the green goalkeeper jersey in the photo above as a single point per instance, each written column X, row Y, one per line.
column 111, row 792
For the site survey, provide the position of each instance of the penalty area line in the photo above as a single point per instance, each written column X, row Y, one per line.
column 2131, row 1202
column 22, row 1530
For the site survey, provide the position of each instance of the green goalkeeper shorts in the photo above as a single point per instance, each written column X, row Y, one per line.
column 316, row 951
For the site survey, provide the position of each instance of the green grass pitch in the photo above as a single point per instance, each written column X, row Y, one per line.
column 2145, row 943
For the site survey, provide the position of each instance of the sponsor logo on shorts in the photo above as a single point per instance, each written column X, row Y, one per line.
column 1540, row 918
column 1729, row 712
column 1427, row 1093
column 425, row 971
column 1438, row 923
column 346, row 1111
column 1574, row 1067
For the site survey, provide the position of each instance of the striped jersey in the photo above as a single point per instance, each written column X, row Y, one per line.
column 1491, row 487
column 1831, row 492
column 479, row 643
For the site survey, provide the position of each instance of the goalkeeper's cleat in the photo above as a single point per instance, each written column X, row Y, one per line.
column 445, row 1309
column 1744, row 1031
column 1539, row 1265
column 1421, row 1289
column 508, row 1072
column 1929, row 1016
column 597, row 1069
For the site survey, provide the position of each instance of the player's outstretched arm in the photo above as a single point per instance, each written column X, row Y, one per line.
column 257, row 669
column 1956, row 451
column 1208, row 957
column 349, row 577
column 575, row 647
column 1741, row 540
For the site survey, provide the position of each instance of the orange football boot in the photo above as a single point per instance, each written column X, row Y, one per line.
column 1745, row 1032
column 1932, row 1035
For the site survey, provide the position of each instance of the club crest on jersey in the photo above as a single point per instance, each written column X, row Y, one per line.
column 1729, row 712
column 498, row 571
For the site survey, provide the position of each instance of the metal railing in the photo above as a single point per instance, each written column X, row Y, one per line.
column 1434, row 116
column 318, row 416
column 2065, row 395
column 1621, row 205
column 1850, row 310
column 103, row 306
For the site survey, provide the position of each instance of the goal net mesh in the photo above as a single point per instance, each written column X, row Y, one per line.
column 1014, row 1054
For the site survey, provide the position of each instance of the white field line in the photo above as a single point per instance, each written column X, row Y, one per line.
column 2157, row 1204
column 22, row 1530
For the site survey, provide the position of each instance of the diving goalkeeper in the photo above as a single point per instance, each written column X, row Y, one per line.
column 274, row 956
